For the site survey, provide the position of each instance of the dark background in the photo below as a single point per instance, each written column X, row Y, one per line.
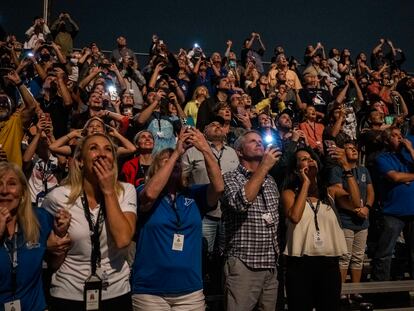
column 356, row 24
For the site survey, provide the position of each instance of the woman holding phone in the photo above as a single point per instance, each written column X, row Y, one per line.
column 167, row 267
column 314, row 239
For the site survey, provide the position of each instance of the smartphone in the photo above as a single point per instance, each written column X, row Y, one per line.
column 329, row 144
column 113, row 94
column 389, row 120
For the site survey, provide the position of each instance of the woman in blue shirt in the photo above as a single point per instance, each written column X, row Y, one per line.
column 167, row 267
column 24, row 232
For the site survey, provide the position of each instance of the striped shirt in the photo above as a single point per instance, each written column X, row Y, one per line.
column 249, row 236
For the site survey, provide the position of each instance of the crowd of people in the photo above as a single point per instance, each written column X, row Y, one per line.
column 146, row 185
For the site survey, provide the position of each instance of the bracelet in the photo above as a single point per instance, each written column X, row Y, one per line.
column 19, row 84
column 368, row 206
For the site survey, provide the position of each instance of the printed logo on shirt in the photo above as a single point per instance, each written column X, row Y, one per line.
column 187, row 201
column 318, row 100
column 31, row 245
column 364, row 178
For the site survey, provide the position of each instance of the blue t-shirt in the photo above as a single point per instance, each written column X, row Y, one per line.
column 397, row 198
column 158, row 269
column 29, row 268
column 349, row 219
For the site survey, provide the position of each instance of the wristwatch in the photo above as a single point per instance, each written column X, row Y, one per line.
column 348, row 174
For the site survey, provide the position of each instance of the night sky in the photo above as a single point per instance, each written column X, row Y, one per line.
column 355, row 24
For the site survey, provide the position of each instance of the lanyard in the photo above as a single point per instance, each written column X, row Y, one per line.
column 173, row 203
column 158, row 117
column 44, row 176
column 218, row 158
column 12, row 252
column 95, row 232
column 315, row 210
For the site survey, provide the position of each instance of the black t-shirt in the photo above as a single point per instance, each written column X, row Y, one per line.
column 319, row 98
column 59, row 114
column 256, row 94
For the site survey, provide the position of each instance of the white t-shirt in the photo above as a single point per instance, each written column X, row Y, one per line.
column 68, row 281
column 42, row 172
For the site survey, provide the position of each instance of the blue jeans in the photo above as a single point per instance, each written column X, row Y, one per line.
column 391, row 229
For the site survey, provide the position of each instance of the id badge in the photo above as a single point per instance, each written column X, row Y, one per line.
column 318, row 240
column 178, row 242
column 92, row 293
column 104, row 277
column 12, row 306
column 268, row 219
column 39, row 198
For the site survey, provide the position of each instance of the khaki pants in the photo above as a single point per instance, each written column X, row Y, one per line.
column 190, row 302
column 245, row 288
column 355, row 242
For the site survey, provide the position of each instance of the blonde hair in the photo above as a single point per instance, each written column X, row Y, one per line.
column 197, row 91
column 26, row 217
column 77, row 174
column 85, row 128
column 156, row 165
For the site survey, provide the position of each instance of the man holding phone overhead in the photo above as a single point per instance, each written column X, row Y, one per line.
column 250, row 213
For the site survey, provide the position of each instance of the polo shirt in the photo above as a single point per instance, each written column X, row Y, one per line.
column 158, row 269
column 29, row 267
column 69, row 280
